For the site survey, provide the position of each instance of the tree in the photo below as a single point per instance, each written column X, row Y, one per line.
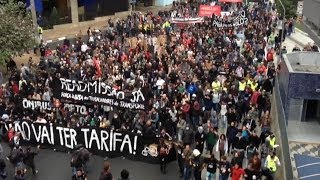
column 289, row 5
column 16, row 29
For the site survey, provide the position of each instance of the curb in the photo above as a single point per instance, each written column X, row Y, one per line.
column 302, row 32
column 55, row 40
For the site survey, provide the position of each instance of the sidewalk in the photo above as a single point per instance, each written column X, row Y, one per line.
column 298, row 38
column 71, row 30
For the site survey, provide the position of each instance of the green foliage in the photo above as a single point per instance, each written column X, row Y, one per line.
column 54, row 17
column 16, row 29
column 290, row 6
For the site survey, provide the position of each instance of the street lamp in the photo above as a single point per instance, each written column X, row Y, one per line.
column 283, row 26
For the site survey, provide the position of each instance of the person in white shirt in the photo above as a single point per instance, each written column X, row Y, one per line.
column 46, row 95
column 84, row 47
column 41, row 120
column 160, row 82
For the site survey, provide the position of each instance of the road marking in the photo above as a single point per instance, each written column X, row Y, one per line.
column 313, row 175
column 61, row 38
column 310, row 164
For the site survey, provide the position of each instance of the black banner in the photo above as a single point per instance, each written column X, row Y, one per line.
column 98, row 92
column 48, row 106
column 98, row 141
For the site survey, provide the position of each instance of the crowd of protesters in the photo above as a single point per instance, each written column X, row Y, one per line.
column 209, row 89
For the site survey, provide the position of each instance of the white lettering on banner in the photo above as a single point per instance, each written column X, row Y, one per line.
column 42, row 134
column 25, row 126
column 36, row 134
column 116, row 139
column 45, row 134
column 46, row 105
column 238, row 21
column 60, row 129
column 95, row 87
column 68, row 137
column 94, row 137
column 73, row 134
column 126, row 140
column 104, row 137
column 85, row 135
column 33, row 104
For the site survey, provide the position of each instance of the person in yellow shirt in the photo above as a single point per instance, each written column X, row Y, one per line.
column 271, row 164
column 254, row 85
column 216, row 85
column 242, row 87
column 249, row 82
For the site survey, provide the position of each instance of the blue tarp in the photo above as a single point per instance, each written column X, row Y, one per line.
column 308, row 167
column 38, row 4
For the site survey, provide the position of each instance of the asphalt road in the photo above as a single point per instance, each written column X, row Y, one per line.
column 56, row 166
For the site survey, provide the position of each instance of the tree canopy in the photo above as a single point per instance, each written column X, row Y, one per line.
column 289, row 5
column 16, row 29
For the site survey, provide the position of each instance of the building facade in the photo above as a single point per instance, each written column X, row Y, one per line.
column 299, row 85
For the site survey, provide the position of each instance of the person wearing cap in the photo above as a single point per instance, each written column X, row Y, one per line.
column 196, row 164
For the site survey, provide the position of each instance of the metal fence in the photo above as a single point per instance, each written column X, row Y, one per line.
column 279, row 127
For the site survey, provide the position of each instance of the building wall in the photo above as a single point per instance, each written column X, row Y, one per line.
column 294, row 109
column 304, row 85
column 311, row 11
column 283, row 79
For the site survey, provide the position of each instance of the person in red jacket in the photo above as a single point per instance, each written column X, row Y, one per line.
column 237, row 173
column 270, row 55
column 11, row 133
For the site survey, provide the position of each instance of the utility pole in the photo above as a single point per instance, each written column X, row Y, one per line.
column 34, row 20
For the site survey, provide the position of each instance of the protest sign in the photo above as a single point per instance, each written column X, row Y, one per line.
column 98, row 92
column 208, row 11
column 98, row 141
column 187, row 20
column 48, row 106
column 240, row 20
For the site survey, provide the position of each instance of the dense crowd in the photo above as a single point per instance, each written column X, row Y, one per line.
column 208, row 89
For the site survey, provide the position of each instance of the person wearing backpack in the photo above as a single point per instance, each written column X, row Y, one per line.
column 250, row 151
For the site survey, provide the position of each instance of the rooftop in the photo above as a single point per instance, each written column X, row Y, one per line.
column 304, row 61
